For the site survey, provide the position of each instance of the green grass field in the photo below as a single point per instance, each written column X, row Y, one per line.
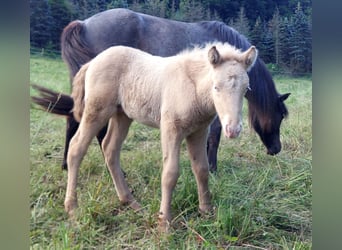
column 262, row 201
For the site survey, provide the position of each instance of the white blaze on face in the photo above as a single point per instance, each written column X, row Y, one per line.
column 230, row 114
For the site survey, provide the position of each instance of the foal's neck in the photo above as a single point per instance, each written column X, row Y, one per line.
column 199, row 72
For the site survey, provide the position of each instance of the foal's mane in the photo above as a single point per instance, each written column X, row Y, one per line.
column 263, row 97
column 226, row 50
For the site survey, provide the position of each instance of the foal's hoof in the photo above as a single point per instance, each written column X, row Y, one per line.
column 207, row 211
column 135, row 206
column 70, row 207
column 164, row 225
column 132, row 204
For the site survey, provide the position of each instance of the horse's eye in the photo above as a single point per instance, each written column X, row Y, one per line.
column 216, row 88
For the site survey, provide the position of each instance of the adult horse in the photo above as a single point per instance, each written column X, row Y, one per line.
column 180, row 95
column 83, row 40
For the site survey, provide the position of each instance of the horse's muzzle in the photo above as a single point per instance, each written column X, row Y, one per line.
column 273, row 150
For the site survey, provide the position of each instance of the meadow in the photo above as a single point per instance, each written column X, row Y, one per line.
column 261, row 201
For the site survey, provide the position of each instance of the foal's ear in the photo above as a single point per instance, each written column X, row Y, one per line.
column 214, row 56
column 250, row 57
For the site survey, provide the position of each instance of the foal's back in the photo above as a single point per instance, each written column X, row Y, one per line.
column 129, row 78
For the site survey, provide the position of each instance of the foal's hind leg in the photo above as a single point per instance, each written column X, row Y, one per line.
column 111, row 146
column 77, row 149
column 196, row 144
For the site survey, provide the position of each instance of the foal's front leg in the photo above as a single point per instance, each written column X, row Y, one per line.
column 196, row 144
column 171, row 146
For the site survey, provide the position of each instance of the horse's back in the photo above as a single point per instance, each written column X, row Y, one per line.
column 155, row 35
column 112, row 27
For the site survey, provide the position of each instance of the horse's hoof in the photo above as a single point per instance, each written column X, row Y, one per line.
column 65, row 165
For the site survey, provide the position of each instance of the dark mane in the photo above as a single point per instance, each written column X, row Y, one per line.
column 263, row 97
column 224, row 33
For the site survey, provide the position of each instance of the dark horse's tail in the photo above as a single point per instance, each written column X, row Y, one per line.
column 75, row 53
column 53, row 102
column 62, row 104
column 75, row 49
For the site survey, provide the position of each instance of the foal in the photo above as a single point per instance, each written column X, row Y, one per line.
column 180, row 95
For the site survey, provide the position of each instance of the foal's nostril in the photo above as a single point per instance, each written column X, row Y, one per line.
column 232, row 131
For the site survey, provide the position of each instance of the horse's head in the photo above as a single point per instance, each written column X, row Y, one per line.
column 230, row 83
column 268, row 128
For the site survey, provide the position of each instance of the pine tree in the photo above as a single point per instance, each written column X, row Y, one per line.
column 241, row 23
column 285, row 34
column 268, row 46
column 155, row 7
column 61, row 16
column 190, row 11
column 257, row 35
column 275, row 29
column 300, row 49
column 40, row 23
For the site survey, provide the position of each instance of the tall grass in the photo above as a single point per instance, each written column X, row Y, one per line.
column 261, row 201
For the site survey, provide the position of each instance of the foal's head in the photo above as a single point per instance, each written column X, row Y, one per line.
column 230, row 83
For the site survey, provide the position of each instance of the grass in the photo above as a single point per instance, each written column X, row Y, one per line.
column 262, row 202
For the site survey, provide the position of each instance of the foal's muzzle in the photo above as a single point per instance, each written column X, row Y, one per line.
column 232, row 131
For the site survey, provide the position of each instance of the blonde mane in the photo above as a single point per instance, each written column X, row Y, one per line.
column 227, row 51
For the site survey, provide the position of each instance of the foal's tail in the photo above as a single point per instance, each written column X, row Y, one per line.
column 78, row 92
column 75, row 49
column 53, row 102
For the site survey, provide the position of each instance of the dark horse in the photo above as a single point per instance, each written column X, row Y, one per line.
column 83, row 40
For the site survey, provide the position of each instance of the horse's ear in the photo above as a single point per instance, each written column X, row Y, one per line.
column 214, row 56
column 250, row 57
column 284, row 97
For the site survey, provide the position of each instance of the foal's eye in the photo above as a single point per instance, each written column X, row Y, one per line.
column 231, row 78
column 216, row 88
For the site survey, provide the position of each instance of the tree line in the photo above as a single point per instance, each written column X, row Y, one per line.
column 280, row 29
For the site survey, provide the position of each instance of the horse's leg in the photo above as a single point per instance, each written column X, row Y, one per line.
column 196, row 144
column 77, row 149
column 171, row 141
column 213, row 143
column 116, row 133
column 71, row 128
column 100, row 136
